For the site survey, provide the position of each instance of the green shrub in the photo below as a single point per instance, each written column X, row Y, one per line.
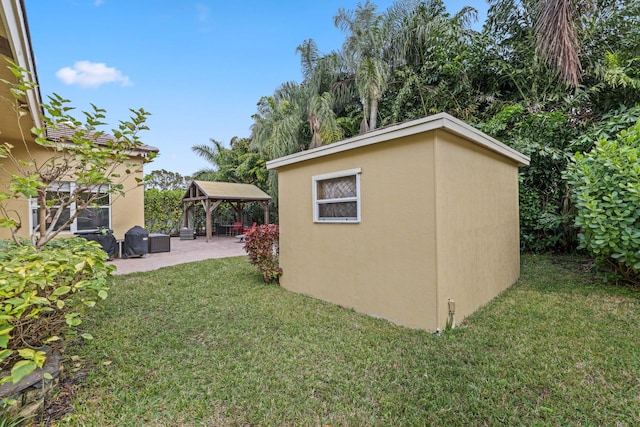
column 262, row 245
column 43, row 297
column 546, row 216
column 163, row 210
column 606, row 189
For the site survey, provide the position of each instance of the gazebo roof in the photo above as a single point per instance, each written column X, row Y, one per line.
column 228, row 191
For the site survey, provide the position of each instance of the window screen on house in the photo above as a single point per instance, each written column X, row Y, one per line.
column 96, row 215
column 337, row 197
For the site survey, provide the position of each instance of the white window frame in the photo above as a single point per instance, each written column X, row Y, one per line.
column 316, row 203
column 73, row 227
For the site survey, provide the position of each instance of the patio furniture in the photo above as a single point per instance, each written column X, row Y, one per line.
column 244, row 230
column 237, row 228
column 187, row 234
column 159, row 243
column 102, row 236
column 136, row 242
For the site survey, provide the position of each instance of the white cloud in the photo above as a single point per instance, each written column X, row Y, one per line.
column 91, row 74
column 203, row 16
column 98, row 2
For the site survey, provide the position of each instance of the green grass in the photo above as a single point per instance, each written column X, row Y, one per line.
column 208, row 343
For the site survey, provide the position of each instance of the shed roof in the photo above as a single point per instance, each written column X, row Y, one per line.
column 438, row 121
column 202, row 190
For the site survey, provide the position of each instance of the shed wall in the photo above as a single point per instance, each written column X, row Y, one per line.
column 384, row 266
column 478, row 224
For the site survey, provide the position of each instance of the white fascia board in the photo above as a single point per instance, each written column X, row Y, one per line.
column 437, row 121
column 18, row 34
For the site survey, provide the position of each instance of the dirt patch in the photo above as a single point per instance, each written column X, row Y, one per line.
column 62, row 404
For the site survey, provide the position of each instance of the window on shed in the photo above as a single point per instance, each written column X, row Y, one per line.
column 336, row 197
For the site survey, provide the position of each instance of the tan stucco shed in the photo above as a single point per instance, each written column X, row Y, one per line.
column 399, row 222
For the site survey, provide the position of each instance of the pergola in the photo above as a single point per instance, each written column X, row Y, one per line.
column 210, row 194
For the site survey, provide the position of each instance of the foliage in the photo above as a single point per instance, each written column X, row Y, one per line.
column 165, row 180
column 80, row 152
column 547, row 77
column 262, row 245
column 239, row 163
column 163, row 210
column 606, row 189
column 546, row 214
column 44, row 295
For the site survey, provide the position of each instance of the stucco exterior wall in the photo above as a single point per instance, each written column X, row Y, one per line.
column 477, row 222
column 125, row 211
column 385, row 265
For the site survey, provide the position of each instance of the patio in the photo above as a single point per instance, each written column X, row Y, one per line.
column 182, row 251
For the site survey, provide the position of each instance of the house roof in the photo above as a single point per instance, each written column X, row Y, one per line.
column 229, row 191
column 438, row 121
column 15, row 44
column 62, row 132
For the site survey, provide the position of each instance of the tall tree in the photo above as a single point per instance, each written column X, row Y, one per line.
column 432, row 60
column 163, row 179
column 366, row 50
column 557, row 31
column 239, row 163
column 318, row 99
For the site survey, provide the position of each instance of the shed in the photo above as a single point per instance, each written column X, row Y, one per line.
column 212, row 193
column 408, row 222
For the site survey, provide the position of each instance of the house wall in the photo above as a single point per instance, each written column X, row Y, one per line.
column 125, row 211
column 384, row 266
column 477, row 222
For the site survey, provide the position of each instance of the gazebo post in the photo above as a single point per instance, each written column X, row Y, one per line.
column 265, row 205
column 239, row 211
column 208, row 219
column 185, row 215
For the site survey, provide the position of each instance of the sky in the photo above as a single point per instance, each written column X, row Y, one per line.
column 199, row 67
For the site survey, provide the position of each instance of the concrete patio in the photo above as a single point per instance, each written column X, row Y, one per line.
column 182, row 251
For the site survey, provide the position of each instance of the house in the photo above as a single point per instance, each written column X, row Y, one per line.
column 119, row 214
column 417, row 223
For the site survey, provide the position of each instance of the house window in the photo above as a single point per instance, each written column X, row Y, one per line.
column 336, row 197
column 96, row 215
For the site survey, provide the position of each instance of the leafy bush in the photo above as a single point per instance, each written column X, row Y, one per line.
column 546, row 216
column 163, row 210
column 606, row 190
column 43, row 297
column 262, row 245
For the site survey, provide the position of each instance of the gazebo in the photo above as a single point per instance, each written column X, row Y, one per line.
column 211, row 194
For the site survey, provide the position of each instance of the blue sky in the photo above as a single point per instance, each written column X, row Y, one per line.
column 199, row 67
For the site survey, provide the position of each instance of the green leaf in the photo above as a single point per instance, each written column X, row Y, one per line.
column 62, row 290
column 21, row 369
column 27, row 353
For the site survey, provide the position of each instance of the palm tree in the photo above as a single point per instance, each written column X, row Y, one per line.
column 557, row 31
column 366, row 51
column 278, row 127
column 319, row 76
column 211, row 154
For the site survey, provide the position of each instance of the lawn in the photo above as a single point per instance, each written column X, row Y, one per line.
column 209, row 343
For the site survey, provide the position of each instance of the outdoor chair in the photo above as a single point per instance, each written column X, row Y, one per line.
column 244, row 230
column 236, row 228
